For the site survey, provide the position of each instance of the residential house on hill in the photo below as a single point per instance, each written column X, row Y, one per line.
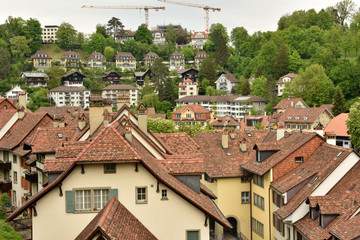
column 191, row 73
column 70, row 60
column 199, row 57
column 249, row 122
column 159, row 37
column 198, row 39
column 177, row 61
column 337, row 133
column 70, row 96
column 226, row 82
column 73, row 79
column 35, row 79
column 282, row 81
column 305, row 119
column 112, row 92
column 124, row 35
column 96, row 59
column 191, row 114
column 14, row 93
column 125, row 61
column 49, row 33
column 234, row 105
column 287, row 103
column 140, row 77
column 111, row 77
column 149, row 58
column 148, row 175
column 225, row 122
column 41, row 60
column 188, row 88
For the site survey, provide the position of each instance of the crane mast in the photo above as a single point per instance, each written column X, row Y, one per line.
column 206, row 8
column 145, row 8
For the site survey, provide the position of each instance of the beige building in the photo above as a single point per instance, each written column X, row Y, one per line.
column 96, row 59
column 41, row 60
column 286, row 79
column 70, row 60
column 188, row 88
column 287, row 103
column 199, row 57
column 177, row 61
column 192, row 114
column 198, row 39
column 125, row 61
column 49, row 33
column 112, row 92
column 149, row 58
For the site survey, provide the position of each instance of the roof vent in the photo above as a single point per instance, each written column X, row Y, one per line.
column 352, row 187
column 229, row 154
column 60, row 135
column 338, row 155
column 298, row 171
column 314, row 179
column 304, row 173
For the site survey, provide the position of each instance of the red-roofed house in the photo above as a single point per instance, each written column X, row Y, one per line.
column 249, row 122
column 188, row 88
column 191, row 114
column 337, row 133
column 125, row 61
column 198, row 39
column 287, row 103
column 226, row 82
column 96, row 59
column 282, row 82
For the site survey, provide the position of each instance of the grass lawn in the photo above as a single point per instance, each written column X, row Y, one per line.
column 56, row 52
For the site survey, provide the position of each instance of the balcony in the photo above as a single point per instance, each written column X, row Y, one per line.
column 5, row 165
column 5, row 186
column 31, row 176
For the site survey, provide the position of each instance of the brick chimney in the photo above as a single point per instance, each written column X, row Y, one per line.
column 127, row 125
column 142, row 117
column 82, row 121
column 107, row 118
column 280, row 131
column 225, row 139
column 96, row 111
column 22, row 100
column 21, row 112
column 243, row 145
column 122, row 98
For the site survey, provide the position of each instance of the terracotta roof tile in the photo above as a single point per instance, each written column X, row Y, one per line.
column 196, row 109
column 57, row 165
column 122, row 55
column 6, row 115
column 120, row 87
column 338, row 125
column 301, row 115
column 183, row 166
column 286, row 103
column 94, row 56
column 116, row 222
column 225, row 121
column 264, row 120
column 290, row 75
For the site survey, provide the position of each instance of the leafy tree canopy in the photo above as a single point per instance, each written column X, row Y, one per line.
column 143, row 34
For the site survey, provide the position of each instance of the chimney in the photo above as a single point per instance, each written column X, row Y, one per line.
column 21, row 113
column 107, row 118
column 82, row 121
column 232, row 134
column 292, row 104
column 142, row 117
column 127, row 125
column 319, row 129
column 122, row 98
column 280, row 131
column 225, row 140
column 59, row 121
column 22, row 100
column 96, row 110
column 243, row 145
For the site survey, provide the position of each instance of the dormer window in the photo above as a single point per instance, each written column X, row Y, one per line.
column 297, row 118
column 299, row 159
column 305, row 118
column 289, row 117
column 321, row 220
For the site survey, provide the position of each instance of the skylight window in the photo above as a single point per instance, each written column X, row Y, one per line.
column 304, row 173
column 60, row 135
column 249, row 134
column 298, row 171
column 352, row 187
column 338, row 155
column 314, row 179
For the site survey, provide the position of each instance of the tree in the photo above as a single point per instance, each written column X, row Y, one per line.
column 241, row 40
column 5, row 65
column 39, row 99
column 339, row 105
column 170, row 35
column 66, row 35
column 208, row 70
column 166, row 91
column 163, row 107
column 160, row 125
column 7, row 232
column 96, row 43
column 245, row 87
column 109, row 53
column 161, row 73
column 14, row 26
column 210, row 90
column 143, row 34
column 80, row 38
column 4, row 202
column 312, row 85
column 114, row 26
column 147, row 88
column 55, row 73
column 281, row 62
column 19, row 46
column 215, row 31
column 348, row 42
column 259, row 87
column 101, row 29
column 344, row 10
column 221, row 53
column 182, row 36
column 266, row 57
column 150, row 100
column 33, row 33
column 132, row 47
column 188, row 53
column 295, row 62
column 353, row 124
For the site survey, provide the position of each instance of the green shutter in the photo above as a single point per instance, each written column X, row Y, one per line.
column 70, row 201
column 192, row 235
column 114, row 193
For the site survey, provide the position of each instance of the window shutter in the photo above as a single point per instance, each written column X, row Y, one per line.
column 70, row 201
column 114, row 193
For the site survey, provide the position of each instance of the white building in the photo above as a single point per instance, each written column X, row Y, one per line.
column 70, row 96
column 226, row 82
column 49, row 34
column 14, row 93
column 188, row 88
column 159, row 37
column 236, row 106
column 198, row 39
column 177, row 61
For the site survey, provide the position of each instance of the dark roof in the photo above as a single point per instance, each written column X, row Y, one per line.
column 231, row 77
column 41, row 54
column 124, row 55
column 225, row 121
column 94, row 54
column 177, row 54
column 70, row 55
column 289, row 75
column 71, row 73
column 115, row 221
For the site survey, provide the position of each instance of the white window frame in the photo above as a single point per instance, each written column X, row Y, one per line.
column 138, row 195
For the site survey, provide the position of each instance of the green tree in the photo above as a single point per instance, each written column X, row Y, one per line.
column 132, row 47
column 281, row 62
column 241, row 40
column 38, row 99
column 312, row 85
column 210, row 90
column 14, row 26
column 160, row 125
column 245, row 88
column 259, row 87
column 147, row 88
column 143, row 34
column 80, row 38
column 188, row 52
column 339, row 105
column 353, row 124
column 163, row 107
column 114, row 26
column 347, row 43
column 101, row 29
column 208, row 70
column 267, row 57
column 19, row 46
column 96, row 43
column 33, row 33
column 66, row 35
column 166, row 91
column 150, row 100
column 7, row 232
column 170, row 35
column 4, row 202
column 344, row 10
column 295, row 62
column 182, row 36
column 5, row 65
column 161, row 73
column 109, row 53
column 215, row 31
column 221, row 53
column 55, row 73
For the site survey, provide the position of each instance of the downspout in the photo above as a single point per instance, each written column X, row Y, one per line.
column 251, row 227
column 270, row 223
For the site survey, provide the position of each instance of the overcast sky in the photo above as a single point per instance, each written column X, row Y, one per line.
column 254, row 15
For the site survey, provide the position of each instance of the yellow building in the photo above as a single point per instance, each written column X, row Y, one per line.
column 281, row 84
column 177, row 61
column 125, row 61
column 192, row 114
column 41, row 60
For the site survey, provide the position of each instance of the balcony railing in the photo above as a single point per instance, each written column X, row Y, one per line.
column 31, row 176
column 5, row 186
column 5, row 165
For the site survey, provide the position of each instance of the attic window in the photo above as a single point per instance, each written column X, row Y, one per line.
column 60, row 135
column 299, row 159
column 352, row 187
column 229, row 154
column 298, row 171
column 297, row 118
column 289, row 117
column 338, row 155
column 249, row 134
column 305, row 118
column 314, row 179
column 304, row 173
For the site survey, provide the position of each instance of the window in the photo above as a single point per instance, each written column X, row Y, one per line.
column 5, row 107
column 259, row 180
column 15, row 178
column 192, row 235
column 141, row 195
column 178, row 115
column 83, row 200
column 245, row 197
column 14, row 159
column 109, row 168
column 257, row 227
column 6, row 156
column 299, row 159
column 278, row 200
column 278, row 224
column 101, row 197
column 188, row 115
column 199, row 115
column 322, row 220
column 259, row 201
column 164, row 194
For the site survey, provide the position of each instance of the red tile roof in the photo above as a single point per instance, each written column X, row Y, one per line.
column 183, row 166
column 123, row 55
column 115, row 221
column 196, row 109
column 289, row 75
column 338, row 126
column 301, row 115
column 180, row 55
column 193, row 36
column 57, row 165
column 120, row 87
column 40, row 54
column 264, row 120
column 150, row 55
column 94, row 54
column 6, row 115
column 286, row 103
column 224, row 121
column 70, row 55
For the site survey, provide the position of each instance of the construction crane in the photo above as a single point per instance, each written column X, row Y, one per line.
column 206, row 8
column 145, row 8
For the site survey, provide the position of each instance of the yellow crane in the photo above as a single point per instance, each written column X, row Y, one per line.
column 206, row 8
column 145, row 8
